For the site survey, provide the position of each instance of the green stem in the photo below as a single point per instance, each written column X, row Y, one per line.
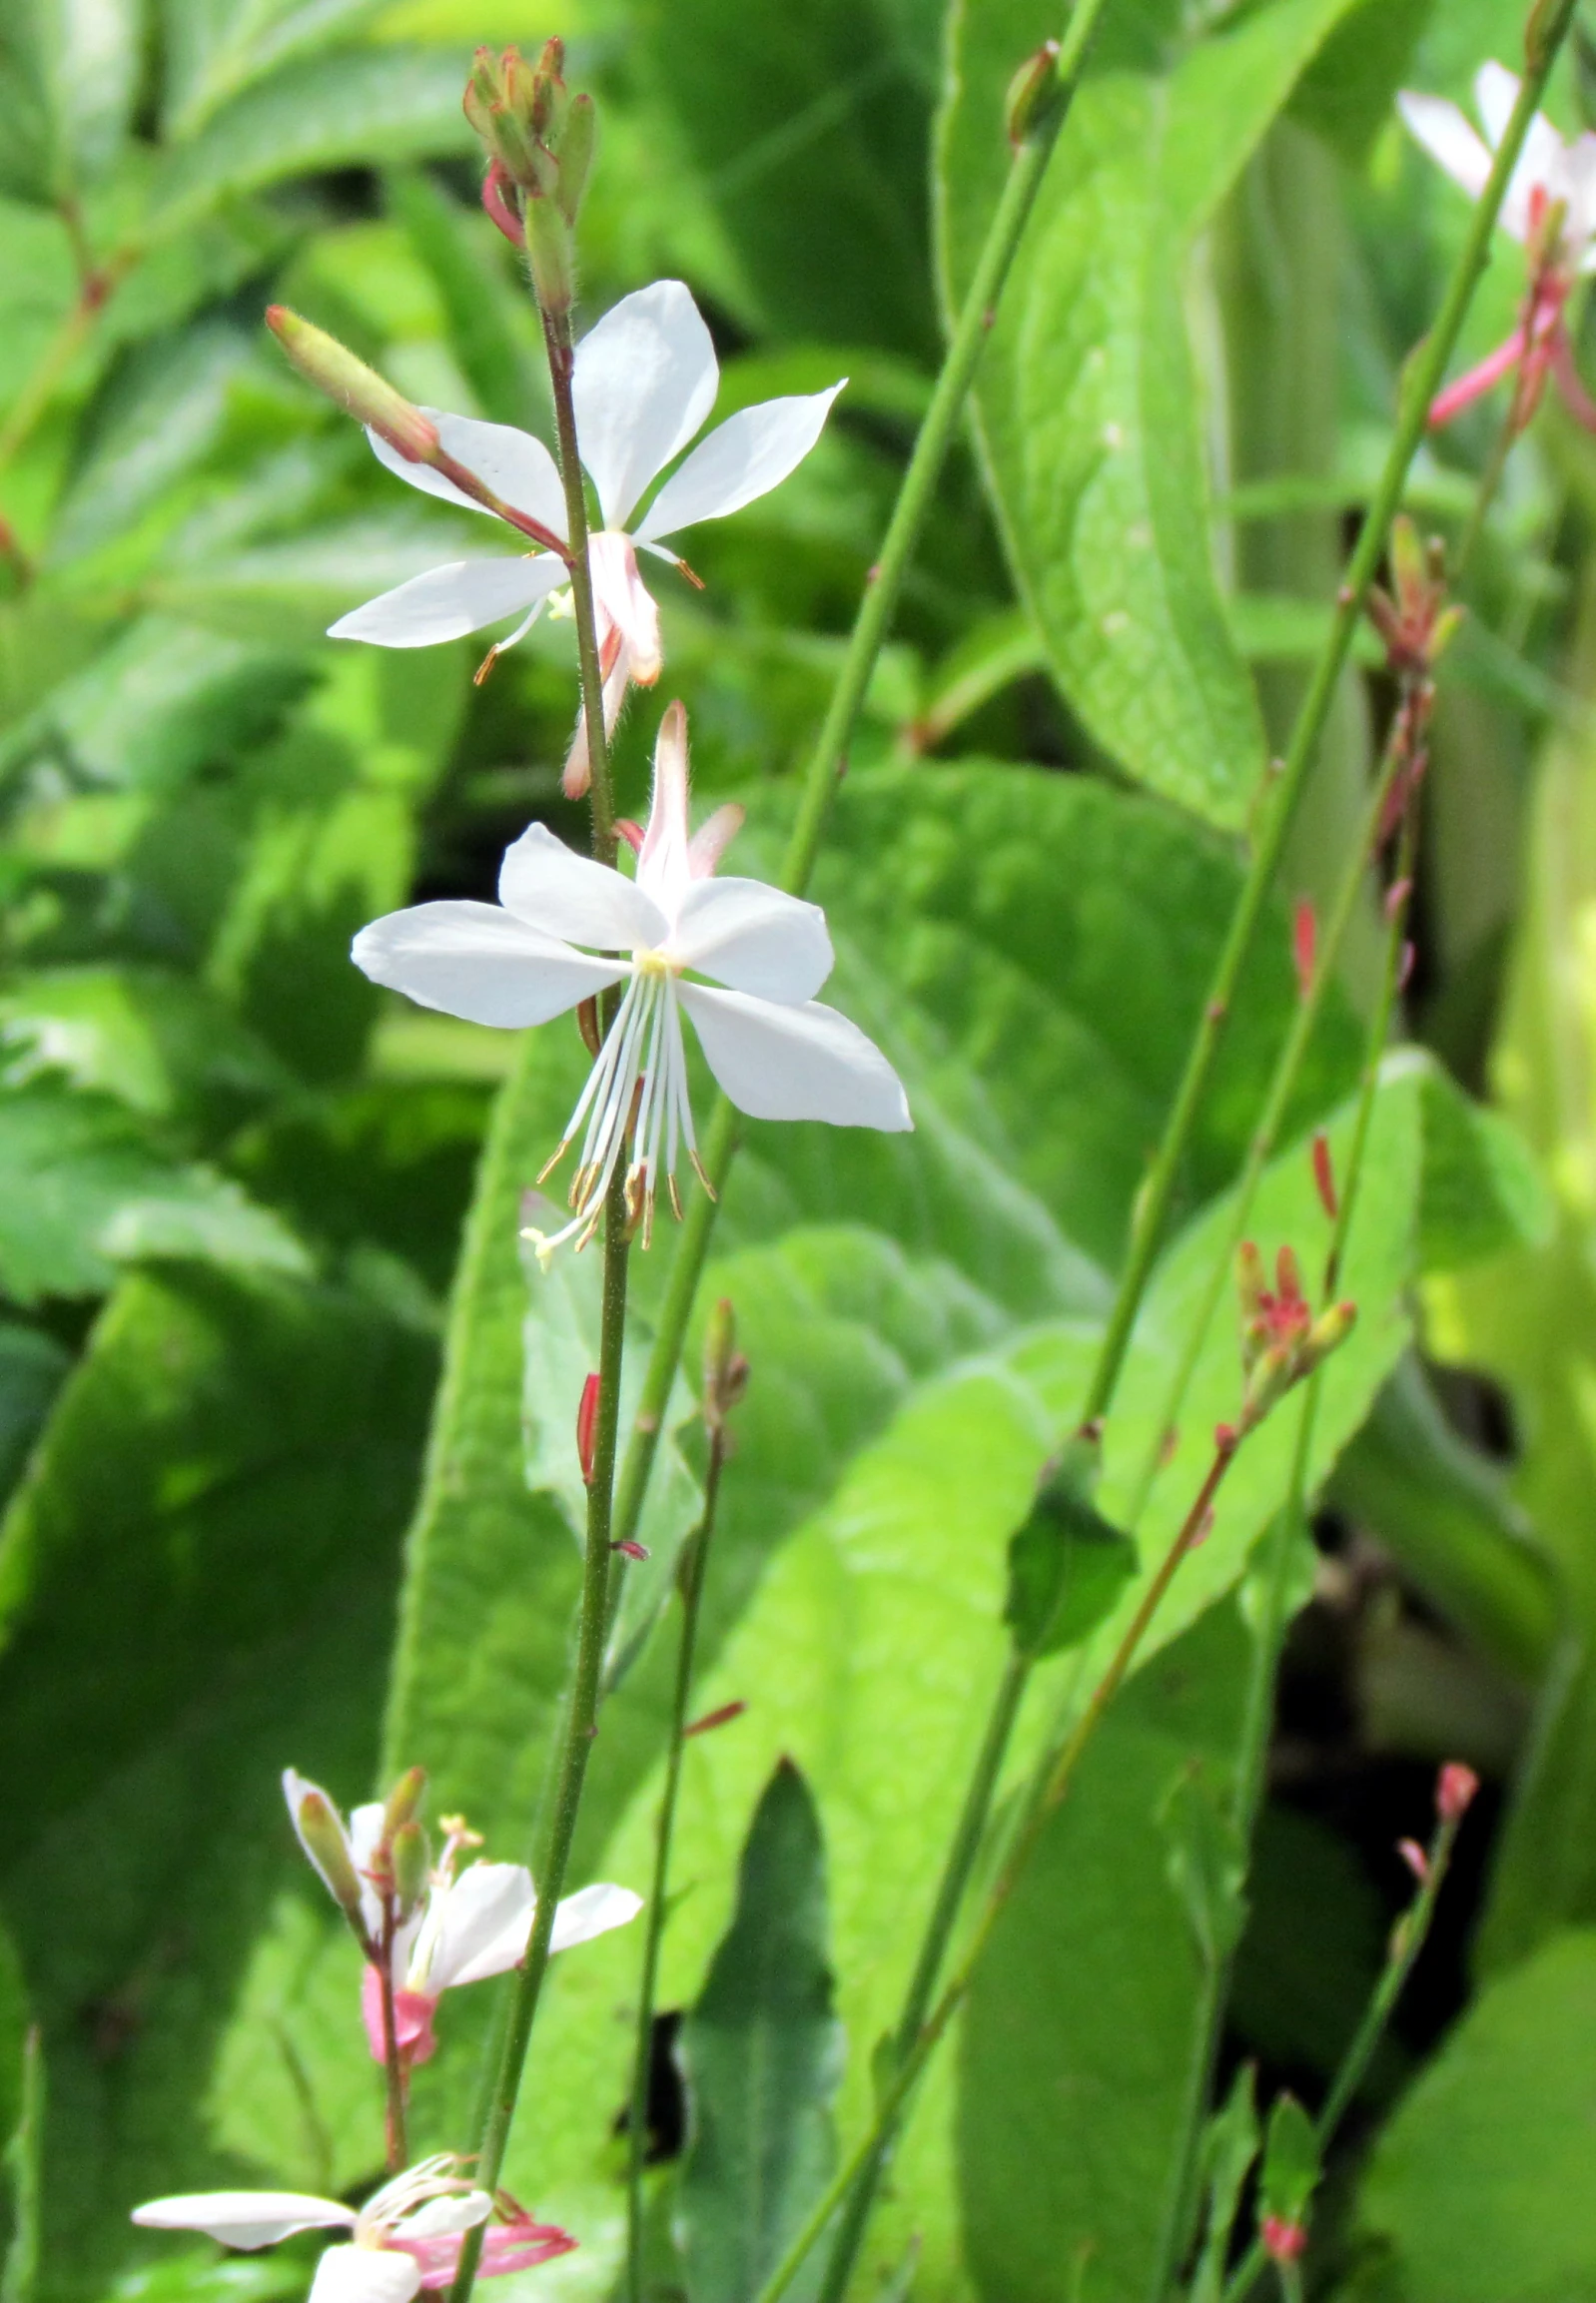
column 399, row 2149
column 1269, row 1632
column 829, row 759
column 62, row 349
column 580, row 1720
column 1407, row 1941
column 692, row 1571
column 960, row 1863
column 1051, row 1784
column 1282, row 1086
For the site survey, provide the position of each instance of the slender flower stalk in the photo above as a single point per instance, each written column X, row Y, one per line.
column 1455, row 1789
column 1270, row 1631
column 726, row 1375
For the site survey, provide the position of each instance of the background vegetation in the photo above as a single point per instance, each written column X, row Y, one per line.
column 258, row 1222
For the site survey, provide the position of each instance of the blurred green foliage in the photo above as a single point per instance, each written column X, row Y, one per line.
column 258, row 1222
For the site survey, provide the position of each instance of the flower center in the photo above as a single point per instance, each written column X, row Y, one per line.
column 656, row 964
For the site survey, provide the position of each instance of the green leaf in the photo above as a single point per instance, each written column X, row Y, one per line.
column 196, row 1588
column 1290, row 2163
column 1483, row 1193
column 1476, row 2189
column 1088, row 403
column 1067, row 1566
column 320, row 112
column 761, row 2055
column 1208, row 1862
column 32, row 1365
column 74, row 71
column 149, row 1037
column 1347, row 91
column 1229, row 2146
column 214, row 48
column 1073, row 2060
column 809, row 137
column 85, row 1189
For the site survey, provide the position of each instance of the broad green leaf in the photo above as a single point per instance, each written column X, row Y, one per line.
column 1073, row 2055
column 809, row 137
column 74, row 68
column 1347, row 92
column 196, row 1588
column 332, row 845
column 1476, row 2189
column 149, row 1037
column 761, row 2055
column 1067, row 1564
column 320, row 112
column 1290, row 2168
column 214, row 48
column 288, row 592
column 32, row 1367
column 86, row 1187
column 1087, row 403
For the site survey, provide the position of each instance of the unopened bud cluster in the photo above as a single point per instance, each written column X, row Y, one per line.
column 539, row 138
column 1281, row 1340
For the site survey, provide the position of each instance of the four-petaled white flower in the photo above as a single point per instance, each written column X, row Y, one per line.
column 646, row 381
column 777, row 1053
column 466, row 1926
column 1548, row 171
column 405, row 2238
column 1551, row 181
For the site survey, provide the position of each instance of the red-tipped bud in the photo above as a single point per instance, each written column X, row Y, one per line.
column 1032, row 93
column 1283, row 2242
column 716, row 1719
column 1324, row 1176
column 586, row 1426
column 1455, row 1787
column 630, row 1548
column 1304, row 942
column 1417, row 1862
column 725, row 1369
column 334, row 368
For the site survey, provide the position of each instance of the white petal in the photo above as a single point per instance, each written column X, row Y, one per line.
column 747, row 455
column 297, row 1788
column 808, row 1063
column 441, row 2218
column 562, row 894
column 627, row 601
column 1447, row 137
column 593, row 1911
column 514, row 465
column 450, row 601
column 1495, row 94
column 244, row 2218
column 476, row 962
column 645, row 380
column 365, row 2275
column 486, row 1919
column 366, row 1830
column 713, row 837
column 664, row 866
column 754, row 938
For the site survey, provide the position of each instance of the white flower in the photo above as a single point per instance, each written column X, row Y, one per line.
column 646, row 381
column 777, row 1053
column 406, row 2237
column 1548, row 170
column 466, row 1928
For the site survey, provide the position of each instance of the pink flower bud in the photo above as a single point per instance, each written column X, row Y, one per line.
column 1417, row 1862
column 1304, row 942
column 716, row 1719
column 1283, row 2242
column 1455, row 1786
column 586, row 1425
column 1324, row 1176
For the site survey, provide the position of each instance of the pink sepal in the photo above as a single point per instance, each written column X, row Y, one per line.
column 498, row 207
column 412, row 2020
column 517, row 2246
column 1477, row 381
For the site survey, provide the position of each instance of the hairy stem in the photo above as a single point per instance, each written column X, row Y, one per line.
column 694, row 1563
column 829, row 759
column 579, row 1723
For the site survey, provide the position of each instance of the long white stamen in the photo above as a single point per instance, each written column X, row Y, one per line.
column 608, row 1073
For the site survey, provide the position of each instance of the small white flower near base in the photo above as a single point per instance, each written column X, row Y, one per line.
column 774, row 1048
column 407, row 2238
column 646, row 381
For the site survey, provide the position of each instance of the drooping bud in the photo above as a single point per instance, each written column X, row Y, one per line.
column 1324, row 1176
column 368, row 397
column 404, row 1800
column 725, row 1369
column 1304, row 942
column 721, row 1718
column 411, row 1862
column 586, row 1426
column 1032, row 93
column 1417, row 1862
column 1455, row 1787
